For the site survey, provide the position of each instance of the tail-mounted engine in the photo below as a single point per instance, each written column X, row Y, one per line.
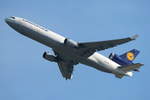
column 125, row 58
column 49, row 57
column 111, row 56
column 114, row 57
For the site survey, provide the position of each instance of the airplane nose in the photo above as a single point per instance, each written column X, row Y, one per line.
column 13, row 23
column 8, row 20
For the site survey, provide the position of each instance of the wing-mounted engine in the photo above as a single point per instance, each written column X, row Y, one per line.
column 49, row 57
column 66, row 67
column 71, row 43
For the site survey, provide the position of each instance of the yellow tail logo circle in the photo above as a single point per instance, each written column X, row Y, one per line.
column 130, row 56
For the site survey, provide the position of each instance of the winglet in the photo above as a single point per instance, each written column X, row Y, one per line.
column 134, row 37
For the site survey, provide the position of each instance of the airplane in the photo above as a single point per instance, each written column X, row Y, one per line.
column 68, row 53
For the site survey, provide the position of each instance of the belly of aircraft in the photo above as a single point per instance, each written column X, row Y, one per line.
column 70, row 54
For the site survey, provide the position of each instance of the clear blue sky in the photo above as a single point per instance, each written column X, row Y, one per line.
column 25, row 75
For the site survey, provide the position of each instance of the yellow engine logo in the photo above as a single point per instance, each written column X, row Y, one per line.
column 130, row 56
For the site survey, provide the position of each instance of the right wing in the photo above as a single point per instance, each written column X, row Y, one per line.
column 88, row 48
column 66, row 69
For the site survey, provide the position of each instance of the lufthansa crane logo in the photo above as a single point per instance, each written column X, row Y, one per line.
column 130, row 56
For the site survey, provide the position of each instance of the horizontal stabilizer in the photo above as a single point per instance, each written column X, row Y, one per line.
column 130, row 67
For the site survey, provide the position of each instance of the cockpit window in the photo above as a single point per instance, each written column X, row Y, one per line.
column 13, row 17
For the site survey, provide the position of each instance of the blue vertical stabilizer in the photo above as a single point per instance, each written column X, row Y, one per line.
column 126, row 58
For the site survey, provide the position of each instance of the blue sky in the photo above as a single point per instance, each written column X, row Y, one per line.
column 25, row 75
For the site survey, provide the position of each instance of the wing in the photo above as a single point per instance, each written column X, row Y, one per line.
column 66, row 69
column 89, row 48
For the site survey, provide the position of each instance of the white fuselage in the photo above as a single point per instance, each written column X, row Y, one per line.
column 56, row 42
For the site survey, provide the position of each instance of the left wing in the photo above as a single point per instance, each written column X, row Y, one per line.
column 66, row 69
column 89, row 48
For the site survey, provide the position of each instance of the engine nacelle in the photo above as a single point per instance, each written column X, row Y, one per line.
column 111, row 56
column 49, row 57
column 70, row 43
